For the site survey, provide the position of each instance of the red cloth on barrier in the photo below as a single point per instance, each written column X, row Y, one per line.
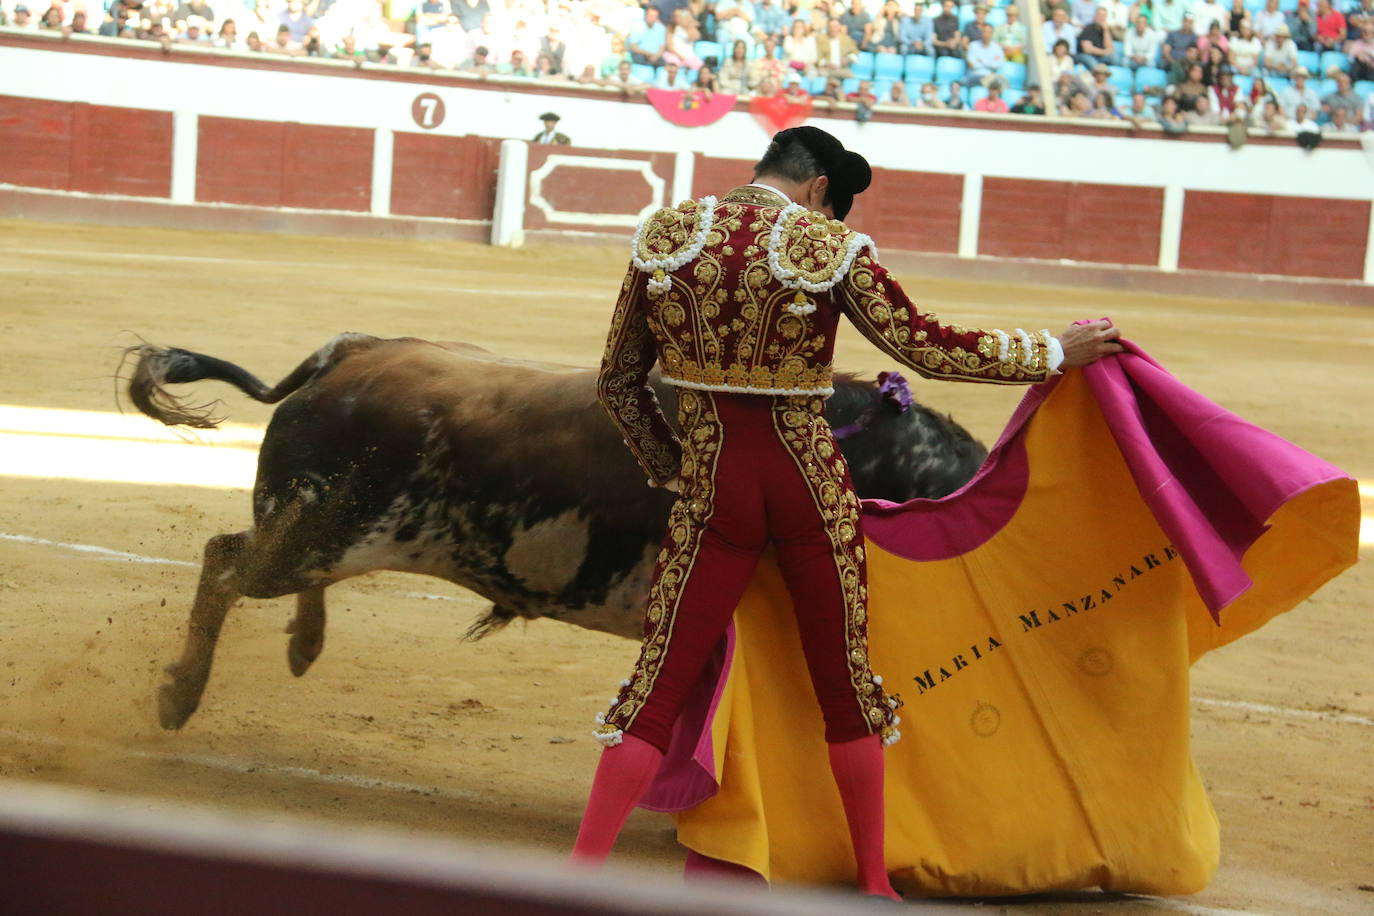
column 690, row 107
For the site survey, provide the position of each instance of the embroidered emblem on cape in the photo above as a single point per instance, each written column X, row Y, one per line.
column 671, row 238
column 813, row 257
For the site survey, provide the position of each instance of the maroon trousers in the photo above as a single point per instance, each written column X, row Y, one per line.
column 756, row 470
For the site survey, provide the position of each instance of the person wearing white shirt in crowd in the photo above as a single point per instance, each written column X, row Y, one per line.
column 449, row 45
column 1207, row 12
column 1011, row 35
column 1268, row 20
column 1118, row 17
column 1168, row 14
column 734, row 19
column 1341, row 123
column 672, row 76
column 1301, row 122
column 1280, row 53
column 1245, row 51
column 984, row 57
column 1299, row 95
column 1081, row 12
column 800, row 45
column 1060, row 61
column 1058, row 28
column 1141, row 44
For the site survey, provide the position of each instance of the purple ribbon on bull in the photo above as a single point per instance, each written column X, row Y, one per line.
column 893, row 391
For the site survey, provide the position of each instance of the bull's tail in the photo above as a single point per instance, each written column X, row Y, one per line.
column 157, row 367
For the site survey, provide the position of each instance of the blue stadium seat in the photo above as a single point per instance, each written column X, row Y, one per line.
column 948, row 69
column 1312, row 61
column 883, row 89
column 975, row 93
column 642, row 73
column 1150, row 78
column 1288, row 6
column 863, row 65
column 815, row 85
column 919, row 67
column 965, row 15
column 1014, row 74
column 1277, row 84
column 1122, row 78
column 1334, row 59
column 1244, row 83
column 887, row 66
column 849, row 85
column 705, row 49
column 1254, row 6
column 913, row 91
column 1325, row 88
column 1365, row 88
column 997, row 17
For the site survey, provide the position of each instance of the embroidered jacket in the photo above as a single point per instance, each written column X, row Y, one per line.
column 745, row 295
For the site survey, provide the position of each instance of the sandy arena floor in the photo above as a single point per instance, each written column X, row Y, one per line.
column 401, row 724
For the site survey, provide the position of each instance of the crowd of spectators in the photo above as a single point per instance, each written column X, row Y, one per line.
column 1268, row 66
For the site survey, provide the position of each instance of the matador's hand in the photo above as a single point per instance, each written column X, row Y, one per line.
column 674, row 485
column 1087, row 343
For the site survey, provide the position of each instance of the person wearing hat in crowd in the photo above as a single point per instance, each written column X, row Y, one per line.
column 23, row 19
column 550, row 135
column 739, row 299
column 1280, row 56
column 1300, row 93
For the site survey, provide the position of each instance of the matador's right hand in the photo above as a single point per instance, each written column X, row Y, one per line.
column 1088, row 342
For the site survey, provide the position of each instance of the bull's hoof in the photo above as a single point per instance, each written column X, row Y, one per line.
column 301, row 653
column 175, row 705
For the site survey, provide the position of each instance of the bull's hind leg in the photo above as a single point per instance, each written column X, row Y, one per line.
column 217, row 592
column 307, row 630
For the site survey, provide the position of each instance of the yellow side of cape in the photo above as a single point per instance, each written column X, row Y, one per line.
column 1045, row 734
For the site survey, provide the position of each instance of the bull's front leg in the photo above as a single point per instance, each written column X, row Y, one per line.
column 217, row 592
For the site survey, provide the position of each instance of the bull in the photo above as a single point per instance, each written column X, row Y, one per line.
column 500, row 475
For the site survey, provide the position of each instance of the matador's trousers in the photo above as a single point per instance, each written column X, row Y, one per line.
column 756, row 470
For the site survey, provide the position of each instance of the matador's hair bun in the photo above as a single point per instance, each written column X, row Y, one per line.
column 849, row 173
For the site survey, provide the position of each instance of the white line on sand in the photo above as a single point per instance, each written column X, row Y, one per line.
column 108, row 554
column 1197, row 909
column 1318, row 714
column 103, row 553
column 236, row 766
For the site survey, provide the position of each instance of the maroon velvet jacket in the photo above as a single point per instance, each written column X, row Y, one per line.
column 745, row 295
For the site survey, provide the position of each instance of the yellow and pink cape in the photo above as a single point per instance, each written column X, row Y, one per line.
column 1040, row 624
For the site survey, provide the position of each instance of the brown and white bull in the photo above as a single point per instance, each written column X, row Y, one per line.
column 500, row 475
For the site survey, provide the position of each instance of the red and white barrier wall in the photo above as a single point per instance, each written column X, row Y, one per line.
column 330, row 146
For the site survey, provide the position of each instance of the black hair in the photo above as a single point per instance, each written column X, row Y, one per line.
column 803, row 153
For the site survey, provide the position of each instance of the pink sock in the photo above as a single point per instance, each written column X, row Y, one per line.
column 622, row 776
column 858, row 769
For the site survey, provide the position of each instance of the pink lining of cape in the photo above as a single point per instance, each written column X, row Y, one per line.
column 1211, row 479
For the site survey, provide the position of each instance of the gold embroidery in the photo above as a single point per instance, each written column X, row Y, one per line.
column 796, row 376
column 758, row 197
column 622, row 386
column 800, row 424
column 702, row 438
column 815, row 252
column 933, row 350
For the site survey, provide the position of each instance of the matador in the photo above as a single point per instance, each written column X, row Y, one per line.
column 739, row 300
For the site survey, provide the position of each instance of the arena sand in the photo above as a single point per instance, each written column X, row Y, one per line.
column 401, row 724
